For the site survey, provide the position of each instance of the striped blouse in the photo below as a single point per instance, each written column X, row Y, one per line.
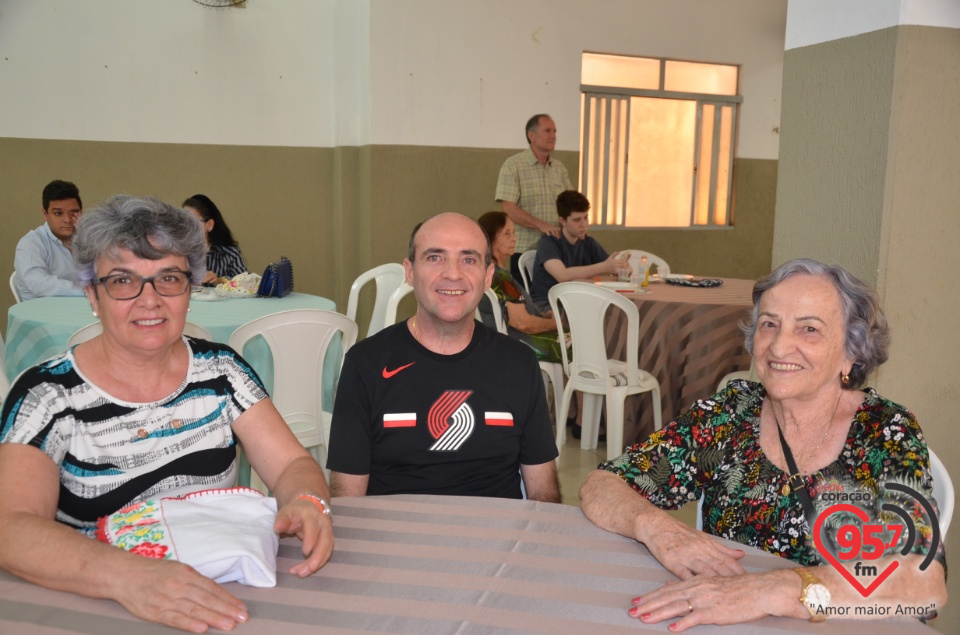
column 225, row 261
column 111, row 453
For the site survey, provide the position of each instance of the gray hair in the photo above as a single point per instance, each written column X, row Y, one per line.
column 148, row 227
column 866, row 334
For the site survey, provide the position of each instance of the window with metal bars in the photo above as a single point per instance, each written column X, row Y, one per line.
column 657, row 141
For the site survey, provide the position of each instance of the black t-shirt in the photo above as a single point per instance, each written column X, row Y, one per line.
column 581, row 253
column 422, row 423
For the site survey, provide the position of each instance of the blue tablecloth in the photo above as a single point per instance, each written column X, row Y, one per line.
column 39, row 329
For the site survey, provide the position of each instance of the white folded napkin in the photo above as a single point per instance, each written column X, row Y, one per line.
column 225, row 534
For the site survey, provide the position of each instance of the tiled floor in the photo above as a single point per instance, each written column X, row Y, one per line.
column 576, row 463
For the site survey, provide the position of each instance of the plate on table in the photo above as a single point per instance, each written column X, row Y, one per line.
column 616, row 285
column 205, row 294
column 235, row 293
column 677, row 276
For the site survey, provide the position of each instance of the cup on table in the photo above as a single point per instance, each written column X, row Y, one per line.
column 623, row 275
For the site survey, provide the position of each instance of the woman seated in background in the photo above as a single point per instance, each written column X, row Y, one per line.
column 141, row 412
column 224, row 259
column 525, row 321
column 816, row 334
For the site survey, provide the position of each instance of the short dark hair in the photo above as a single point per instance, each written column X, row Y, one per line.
column 220, row 235
column 570, row 201
column 60, row 191
column 492, row 223
column 532, row 124
column 866, row 334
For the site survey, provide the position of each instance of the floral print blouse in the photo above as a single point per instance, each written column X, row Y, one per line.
column 714, row 449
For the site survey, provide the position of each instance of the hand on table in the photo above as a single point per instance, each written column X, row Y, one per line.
column 714, row 600
column 614, row 264
column 210, row 278
column 686, row 553
column 174, row 594
column 314, row 529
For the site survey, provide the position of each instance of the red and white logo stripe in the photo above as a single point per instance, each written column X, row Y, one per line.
column 400, row 420
column 450, row 420
column 498, row 418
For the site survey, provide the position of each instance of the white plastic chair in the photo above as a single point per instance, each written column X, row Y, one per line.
column 90, row 331
column 591, row 372
column 495, row 309
column 388, row 278
column 942, row 491
column 750, row 374
column 526, row 267
column 551, row 371
column 663, row 269
column 13, row 287
column 298, row 340
column 390, row 311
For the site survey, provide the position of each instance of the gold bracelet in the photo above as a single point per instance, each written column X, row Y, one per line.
column 319, row 502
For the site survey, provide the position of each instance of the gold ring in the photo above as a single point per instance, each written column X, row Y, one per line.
column 689, row 606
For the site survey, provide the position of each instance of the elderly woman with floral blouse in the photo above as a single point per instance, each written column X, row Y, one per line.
column 761, row 454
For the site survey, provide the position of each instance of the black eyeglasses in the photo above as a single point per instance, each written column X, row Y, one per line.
column 127, row 286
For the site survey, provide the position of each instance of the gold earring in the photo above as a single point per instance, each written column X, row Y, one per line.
column 845, row 380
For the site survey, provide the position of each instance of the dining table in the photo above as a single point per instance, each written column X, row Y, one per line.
column 690, row 338
column 436, row 565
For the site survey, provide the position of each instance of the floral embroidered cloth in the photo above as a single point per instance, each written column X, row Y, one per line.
column 225, row 534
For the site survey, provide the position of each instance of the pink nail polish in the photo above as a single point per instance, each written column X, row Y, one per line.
column 672, row 627
column 645, row 616
column 637, row 600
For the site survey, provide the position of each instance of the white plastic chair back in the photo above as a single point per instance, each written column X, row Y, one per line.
column 388, row 278
column 526, row 267
column 942, row 491
column 390, row 312
column 750, row 374
column 496, row 310
column 13, row 287
column 636, row 254
column 590, row 371
column 90, row 331
column 298, row 341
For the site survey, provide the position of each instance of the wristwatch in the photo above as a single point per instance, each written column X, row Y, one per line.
column 814, row 594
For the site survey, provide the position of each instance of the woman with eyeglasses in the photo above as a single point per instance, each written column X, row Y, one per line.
column 142, row 412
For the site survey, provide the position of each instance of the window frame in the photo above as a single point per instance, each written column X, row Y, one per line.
column 605, row 96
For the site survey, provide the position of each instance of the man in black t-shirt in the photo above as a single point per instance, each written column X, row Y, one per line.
column 439, row 404
column 571, row 256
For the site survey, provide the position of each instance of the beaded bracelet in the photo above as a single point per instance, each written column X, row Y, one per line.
column 316, row 500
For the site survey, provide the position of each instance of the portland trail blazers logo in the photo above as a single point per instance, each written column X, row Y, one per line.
column 450, row 420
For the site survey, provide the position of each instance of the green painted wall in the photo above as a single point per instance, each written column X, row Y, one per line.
column 337, row 212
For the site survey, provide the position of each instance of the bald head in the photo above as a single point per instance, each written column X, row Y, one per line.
column 456, row 226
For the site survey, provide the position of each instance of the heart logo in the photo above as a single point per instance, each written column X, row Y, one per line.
column 864, row 591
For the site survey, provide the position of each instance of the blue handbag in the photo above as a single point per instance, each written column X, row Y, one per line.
column 277, row 279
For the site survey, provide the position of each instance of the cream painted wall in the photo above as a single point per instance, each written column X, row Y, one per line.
column 327, row 73
column 438, row 65
column 815, row 21
column 170, row 71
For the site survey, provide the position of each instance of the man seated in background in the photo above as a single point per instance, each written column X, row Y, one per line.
column 44, row 257
column 438, row 404
column 571, row 256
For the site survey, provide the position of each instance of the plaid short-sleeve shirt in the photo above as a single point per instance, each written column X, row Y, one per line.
column 534, row 187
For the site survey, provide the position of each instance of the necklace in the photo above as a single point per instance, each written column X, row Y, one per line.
column 783, row 441
column 416, row 331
